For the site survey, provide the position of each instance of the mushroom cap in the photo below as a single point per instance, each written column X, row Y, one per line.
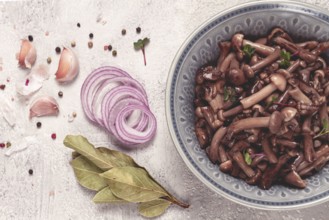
column 237, row 41
column 236, row 77
column 248, row 72
column 275, row 122
column 258, row 107
column 279, row 81
column 288, row 113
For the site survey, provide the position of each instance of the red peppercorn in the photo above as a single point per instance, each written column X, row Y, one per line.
column 2, row 87
column 27, row 82
column 2, row 145
column 53, row 136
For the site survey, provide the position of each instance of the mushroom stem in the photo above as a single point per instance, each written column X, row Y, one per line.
column 293, row 48
column 235, row 74
column 277, row 82
column 255, row 179
column 299, row 96
column 271, row 172
column 321, row 47
column 213, row 150
column 308, row 147
column 233, row 111
column 294, row 66
column 267, row 61
column 294, row 179
column 222, row 67
column 268, row 151
column 287, row 143
column 226, row 167
column 224, row 48
column 259, row 48
column 273, row 122
column 202, row 133
column 308, row 45
column 319, row 162
column 222, row 154
column 238, row 158
column 258, row 96
column 209, row 115
column 249, row 71
column 283, row 98
column 239, row 146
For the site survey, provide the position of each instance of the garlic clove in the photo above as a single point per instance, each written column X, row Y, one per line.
column 27, row 55
column 68, row 67
column 35, row 78
column 44, row 106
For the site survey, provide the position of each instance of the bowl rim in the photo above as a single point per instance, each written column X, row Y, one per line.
column 169, row 118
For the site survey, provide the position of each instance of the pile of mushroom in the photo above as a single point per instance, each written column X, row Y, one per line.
column 261, row 112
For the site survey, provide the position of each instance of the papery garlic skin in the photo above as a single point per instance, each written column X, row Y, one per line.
column 68, row 67
column 36, row 77
column 27, row 55
column 44, row 106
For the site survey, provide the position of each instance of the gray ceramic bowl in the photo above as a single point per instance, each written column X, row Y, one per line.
column 301, row 21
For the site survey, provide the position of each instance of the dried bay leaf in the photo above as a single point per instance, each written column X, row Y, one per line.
column 75, row 155
column 83, row 147
column 117, row 178
column 106, row 196
column 153, row 208
column 133, row 184
column 87, row 174
column 117, row 158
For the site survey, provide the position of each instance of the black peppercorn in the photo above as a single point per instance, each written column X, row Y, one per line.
column 60, row 94
column 30, row 171
column 91, row 35
column 138, row 30
column 110, row 47
column 38, row 124
column 123, row 32
column 58, row 49
column 78, row 24
column 30, row 38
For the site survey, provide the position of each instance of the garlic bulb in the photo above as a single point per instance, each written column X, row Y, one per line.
column 27, row 55
column 68, row 67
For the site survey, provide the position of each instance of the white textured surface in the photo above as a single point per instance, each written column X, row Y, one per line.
column 52, row 192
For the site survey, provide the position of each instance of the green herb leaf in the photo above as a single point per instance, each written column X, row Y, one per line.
column 229, row 94
column 325, row 124
column 248, row 51
column 247, row 157
column 285, row 62
column 83, row 147
column 153, row 208
column 325, row 129
column 133, row 184
column 116, row 158
column 285, row 55
column 106, row 196
column 141, row 43
column 273, row 99
column 87, row 174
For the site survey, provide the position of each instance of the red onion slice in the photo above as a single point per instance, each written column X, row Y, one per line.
column 131, row 87
column 111, row 115
column 117, row 102
column 130, row 134
column 91, row 83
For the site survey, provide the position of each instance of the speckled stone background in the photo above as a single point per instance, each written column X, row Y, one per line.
column 52, row 191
